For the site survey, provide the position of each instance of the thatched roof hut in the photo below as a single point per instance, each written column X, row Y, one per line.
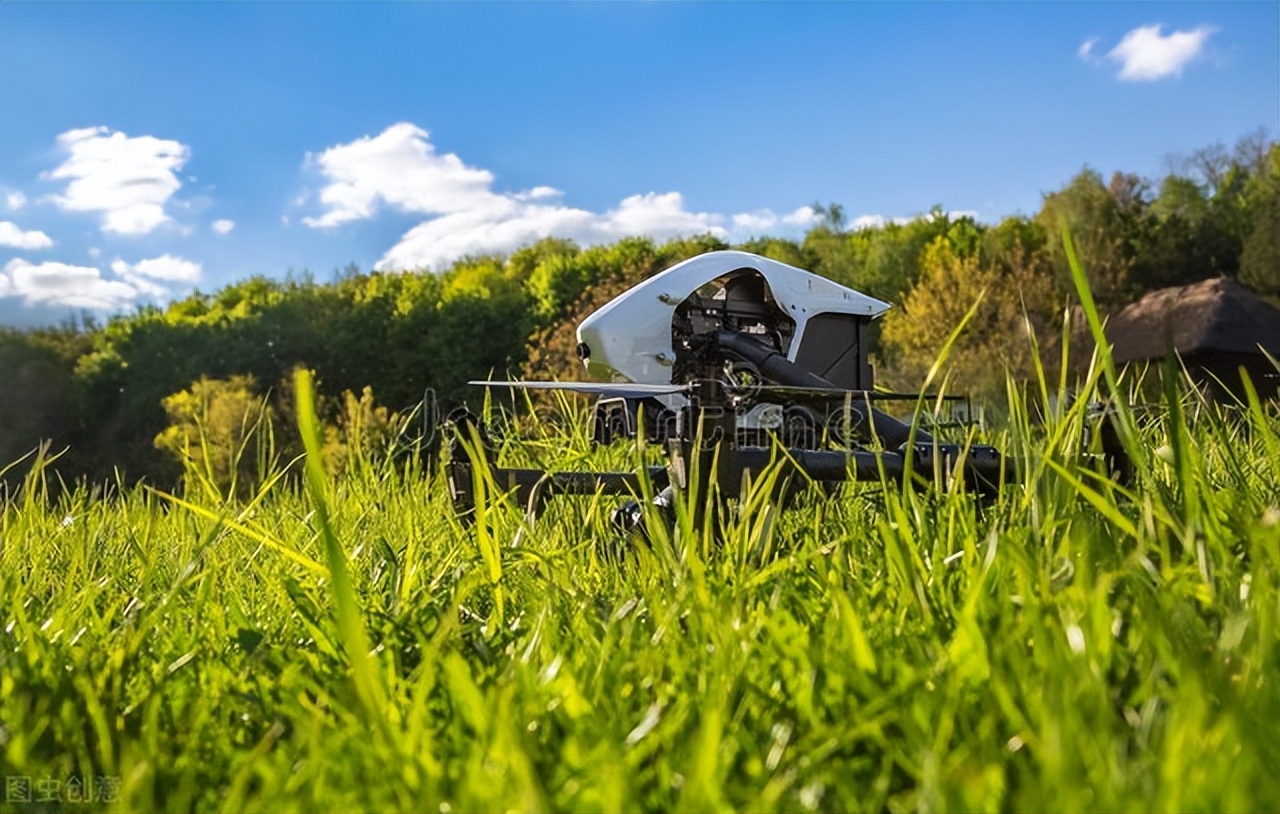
column 1216, row 327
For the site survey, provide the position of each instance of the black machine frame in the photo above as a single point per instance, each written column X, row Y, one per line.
column 706, row 439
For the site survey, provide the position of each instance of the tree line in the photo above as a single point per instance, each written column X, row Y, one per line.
column 201, row 381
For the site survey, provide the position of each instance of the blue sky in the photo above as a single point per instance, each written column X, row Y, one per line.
column 147, row 149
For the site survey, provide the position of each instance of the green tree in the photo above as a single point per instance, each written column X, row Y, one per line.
column 780, row 249
column 479, row 328
column 557, row 282
column 523, row 261
column 1102, row 232
column 886, row 260
column 1016, row 301
column 220, row 431
column 363, row 433
column 39, row 403
column 1177, row 239
column 1260, row 258
column 827, row 244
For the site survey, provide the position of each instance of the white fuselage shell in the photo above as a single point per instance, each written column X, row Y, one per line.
column 630, row 336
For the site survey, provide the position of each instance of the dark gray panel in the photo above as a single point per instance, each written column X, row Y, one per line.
column 830, row 349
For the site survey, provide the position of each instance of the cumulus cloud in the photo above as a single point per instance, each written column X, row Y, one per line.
column 753, row 222
column 166, row 267
column 507, row 223
column 761, row 220
column 867, row 222
column 13, row 237
column 1085, row 51
column 138, row 283
column 52, row 283
column 660, row 215
column 223, row 226
column 126, row 179
column 15, row 200
column 804, row 217
column 63, row 284
column 400, row 169
column 1145, row 54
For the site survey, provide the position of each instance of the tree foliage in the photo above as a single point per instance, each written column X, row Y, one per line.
column 1014, row 302
column 362, row 432
column 220, row 433
column 1260, row 256
column 39, row 403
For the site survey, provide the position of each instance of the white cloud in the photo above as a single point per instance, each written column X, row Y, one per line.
column 15, row 201
column 157, row 277
column 141, row 285
column 53, row 283
column 540, row 194
column 867, row 222
column 803, row 217
column 653, row 214
column 63, row 284
column 755, row 223
column 1145, row 55
column 128, row 180
column 223, row 226
column 166, row 267
column 1085, row 51
column 507, row 224
column 12, row 236
column 400, row 169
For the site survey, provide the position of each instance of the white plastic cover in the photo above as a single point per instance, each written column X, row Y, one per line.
column 630, row 336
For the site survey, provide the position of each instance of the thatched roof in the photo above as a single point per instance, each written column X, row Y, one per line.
column 1213, row 315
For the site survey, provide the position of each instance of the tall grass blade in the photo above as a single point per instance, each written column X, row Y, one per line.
column 355, row 642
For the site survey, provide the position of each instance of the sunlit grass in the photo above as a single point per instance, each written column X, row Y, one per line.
column 336, row 644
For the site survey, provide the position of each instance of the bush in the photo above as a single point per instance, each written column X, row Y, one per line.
column 221, row 433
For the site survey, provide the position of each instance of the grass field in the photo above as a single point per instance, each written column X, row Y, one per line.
column 345, row 644
column 339, row 644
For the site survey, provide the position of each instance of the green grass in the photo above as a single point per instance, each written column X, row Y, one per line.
column 339, row 644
